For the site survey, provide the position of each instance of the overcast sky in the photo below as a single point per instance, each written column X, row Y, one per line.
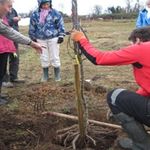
column 84, row 6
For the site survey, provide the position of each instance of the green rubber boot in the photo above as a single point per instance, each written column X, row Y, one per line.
column 57, row 74
column 45, row 75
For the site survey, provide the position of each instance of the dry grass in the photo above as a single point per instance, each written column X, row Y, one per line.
column 105, row 35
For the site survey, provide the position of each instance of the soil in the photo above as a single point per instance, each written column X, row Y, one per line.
column 22, row 127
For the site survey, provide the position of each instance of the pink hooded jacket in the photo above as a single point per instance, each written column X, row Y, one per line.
column 6, row 45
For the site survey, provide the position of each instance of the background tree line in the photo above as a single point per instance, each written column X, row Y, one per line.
column 129, row 11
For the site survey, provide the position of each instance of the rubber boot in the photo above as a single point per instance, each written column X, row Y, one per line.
column 45, row 75
column 3, row 101
column 57, row 74
column 136, row 132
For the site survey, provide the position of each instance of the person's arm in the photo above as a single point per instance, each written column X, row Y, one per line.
column 32, row 28
column 13, row 35
column 10, row 17
column 18, row 37
column 13, row 19
column 123, row 56
column 60, row 26
column 10, row 20
column 139, row 21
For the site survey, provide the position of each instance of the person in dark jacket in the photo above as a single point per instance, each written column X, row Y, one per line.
column 12, row 75
column 131, row 109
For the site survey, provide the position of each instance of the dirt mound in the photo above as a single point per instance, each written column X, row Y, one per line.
column 23, row 128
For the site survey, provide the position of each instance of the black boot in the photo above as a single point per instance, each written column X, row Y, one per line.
column 136, row 131
column 45, row 75
column 57, row 74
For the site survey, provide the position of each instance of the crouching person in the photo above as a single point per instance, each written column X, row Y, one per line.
column 131, row 109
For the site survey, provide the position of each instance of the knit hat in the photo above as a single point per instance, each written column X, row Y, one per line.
column 43, row 1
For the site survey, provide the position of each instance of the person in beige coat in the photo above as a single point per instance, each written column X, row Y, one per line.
column 5, row 6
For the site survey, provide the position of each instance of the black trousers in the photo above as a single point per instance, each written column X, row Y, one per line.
column 132, row 104
column 13, row 66
column 3, row 66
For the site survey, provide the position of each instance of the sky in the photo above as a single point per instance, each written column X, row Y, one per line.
column 84, row 6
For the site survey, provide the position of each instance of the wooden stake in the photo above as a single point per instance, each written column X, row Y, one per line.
column 75, row 118
column 79, row 101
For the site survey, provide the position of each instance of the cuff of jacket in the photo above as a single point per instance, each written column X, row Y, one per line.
column 61, row 34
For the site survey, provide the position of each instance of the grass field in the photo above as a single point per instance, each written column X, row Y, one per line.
column 22, row 128
column 107, row 35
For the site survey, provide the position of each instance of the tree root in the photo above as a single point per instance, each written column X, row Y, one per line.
column 71, row 138
column 39, row 106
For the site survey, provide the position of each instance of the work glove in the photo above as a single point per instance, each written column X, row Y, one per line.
column 35, row 40
column 77, row 35
column 60, row 40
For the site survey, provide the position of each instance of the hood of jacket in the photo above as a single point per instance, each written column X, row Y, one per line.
column 43, row 1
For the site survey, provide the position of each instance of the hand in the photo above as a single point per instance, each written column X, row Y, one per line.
column 16, row 19
column 36, row 46
column 77, row 35
column 60, row 40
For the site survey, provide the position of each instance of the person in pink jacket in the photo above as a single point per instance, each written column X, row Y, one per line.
column 6, row 45
column 130, row 109
column 5, row 30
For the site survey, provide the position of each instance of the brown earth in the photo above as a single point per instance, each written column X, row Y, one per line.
column 24, row 128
